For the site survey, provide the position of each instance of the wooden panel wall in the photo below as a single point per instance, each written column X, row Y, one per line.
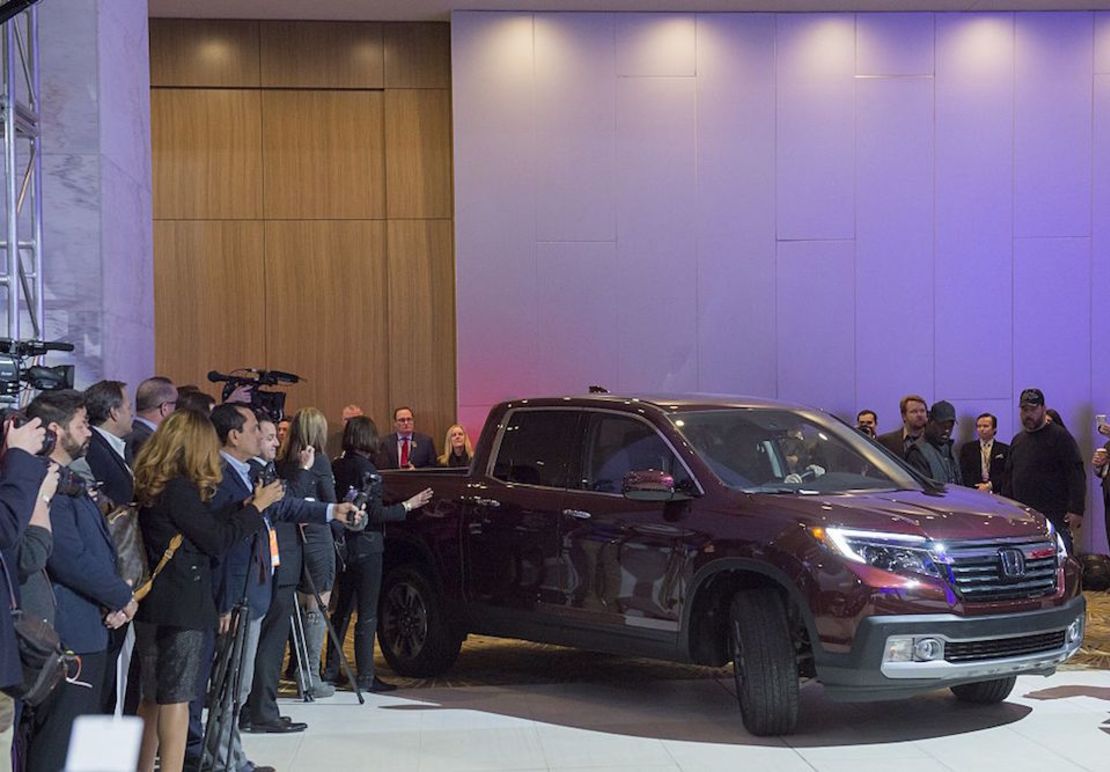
column 303, row 210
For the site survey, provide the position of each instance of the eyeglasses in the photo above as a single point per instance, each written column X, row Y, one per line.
column 171, row 403
column 404, row 420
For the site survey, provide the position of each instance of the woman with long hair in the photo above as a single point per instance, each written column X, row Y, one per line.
column 361, row 580
column 457, row 449
column 176, row 474
column 303, row 463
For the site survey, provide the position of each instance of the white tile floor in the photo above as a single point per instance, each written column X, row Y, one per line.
column 1058, row 723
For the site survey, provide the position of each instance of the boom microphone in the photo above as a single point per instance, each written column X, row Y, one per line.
column 217, row 377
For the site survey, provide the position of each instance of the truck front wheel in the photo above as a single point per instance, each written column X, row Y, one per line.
column 413, row 629
column 985, row 692
column 763, row 662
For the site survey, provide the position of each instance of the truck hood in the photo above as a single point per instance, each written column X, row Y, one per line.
column 957, row 514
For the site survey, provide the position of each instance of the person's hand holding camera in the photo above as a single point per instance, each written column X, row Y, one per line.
column 29, row 437
column 419, row 500
column 241, row 394
column 350, row 515
column 267, row 495
column 307, row 457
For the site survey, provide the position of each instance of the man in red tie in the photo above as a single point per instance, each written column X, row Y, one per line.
column 406, row 448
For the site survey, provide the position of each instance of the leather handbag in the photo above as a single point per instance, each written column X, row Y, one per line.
column 44, row 661
column 131, row 562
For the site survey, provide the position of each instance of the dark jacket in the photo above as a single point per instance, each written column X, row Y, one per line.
column 317, row 484
column 456, row 461
column 83, row 570
column 21, row 475
column 182, row 595
column 349, row 472
column 248, row 564
column 937, row 462
column 140, row 433
column 893, row 442
column 971, row 464
column 111, row 471
column 1045, row 471
column 422, row 452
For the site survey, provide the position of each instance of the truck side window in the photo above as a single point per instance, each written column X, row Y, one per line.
column 536, row 447
column 617, row 445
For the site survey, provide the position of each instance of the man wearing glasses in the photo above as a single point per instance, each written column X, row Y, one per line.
column 406, row 448
column 155, row 399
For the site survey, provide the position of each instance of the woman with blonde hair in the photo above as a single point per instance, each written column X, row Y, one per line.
column 457, row 449
column 176, row 474
column 303, row 463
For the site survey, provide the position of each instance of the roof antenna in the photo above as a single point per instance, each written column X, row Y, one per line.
column 598, row 390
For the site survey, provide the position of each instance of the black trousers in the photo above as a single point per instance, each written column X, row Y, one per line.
column 194, row 745
column 108, row 689
column 52, row 721
column 261, row 705
column 357, row 587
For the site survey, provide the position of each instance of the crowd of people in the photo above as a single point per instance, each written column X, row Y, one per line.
column 243, row 523
column 1041, row 467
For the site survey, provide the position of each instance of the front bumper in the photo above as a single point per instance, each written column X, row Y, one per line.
column 864, row 675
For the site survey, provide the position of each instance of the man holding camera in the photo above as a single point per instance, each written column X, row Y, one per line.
column 90, row 594
column 21, row 477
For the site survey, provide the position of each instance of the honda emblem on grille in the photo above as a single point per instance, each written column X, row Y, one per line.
column 1011, row 563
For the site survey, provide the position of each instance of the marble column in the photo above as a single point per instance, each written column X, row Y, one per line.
column 98, row 233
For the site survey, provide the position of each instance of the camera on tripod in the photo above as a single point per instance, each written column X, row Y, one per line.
column 273, row 402
column 16, row 370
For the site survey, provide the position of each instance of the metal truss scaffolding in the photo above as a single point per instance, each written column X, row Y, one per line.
column 20, row 124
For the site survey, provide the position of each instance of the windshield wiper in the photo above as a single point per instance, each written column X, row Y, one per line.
column 780, row 489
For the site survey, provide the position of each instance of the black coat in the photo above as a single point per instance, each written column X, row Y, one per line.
column 111, row 471
column 140, row 433
column 893, row 442
column 971, row 462
column 422, row 452
column 182, row 595
column 21, row 475
column 349, row 472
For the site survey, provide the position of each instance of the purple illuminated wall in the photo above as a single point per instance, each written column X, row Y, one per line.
column 830, row 209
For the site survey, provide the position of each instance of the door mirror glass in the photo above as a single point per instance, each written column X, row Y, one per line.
column 649, row 485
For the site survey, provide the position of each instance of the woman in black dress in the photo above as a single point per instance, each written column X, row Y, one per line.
column 176, row 474
column 361, row 580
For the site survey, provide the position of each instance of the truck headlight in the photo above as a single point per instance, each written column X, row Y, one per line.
column 895, row 552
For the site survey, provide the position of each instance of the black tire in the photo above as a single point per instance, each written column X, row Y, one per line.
column 763, row 662
column 985, row 692
column 413, row 630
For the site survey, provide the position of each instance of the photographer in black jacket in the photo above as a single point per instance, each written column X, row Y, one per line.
column 21, row 479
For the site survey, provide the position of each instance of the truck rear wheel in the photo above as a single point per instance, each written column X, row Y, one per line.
column 413, row 629
column 763, row 662
column 985, row 692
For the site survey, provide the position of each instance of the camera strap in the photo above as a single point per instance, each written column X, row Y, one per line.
column 171, row 548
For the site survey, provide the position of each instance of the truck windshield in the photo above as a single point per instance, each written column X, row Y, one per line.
column 771, row 450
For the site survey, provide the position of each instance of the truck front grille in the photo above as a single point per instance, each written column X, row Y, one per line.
column 982, row 573
column 998, row 648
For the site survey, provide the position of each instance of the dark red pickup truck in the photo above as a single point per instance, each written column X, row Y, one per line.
column 712, row 529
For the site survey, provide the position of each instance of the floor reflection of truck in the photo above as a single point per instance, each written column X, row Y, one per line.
column 717, row 529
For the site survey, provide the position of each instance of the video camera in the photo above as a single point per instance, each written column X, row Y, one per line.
column 273, row 402
column 371, row 488
column 15, row 368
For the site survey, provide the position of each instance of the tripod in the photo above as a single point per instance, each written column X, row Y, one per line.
column 300, row 651
column 224, row 688
column 332, row 636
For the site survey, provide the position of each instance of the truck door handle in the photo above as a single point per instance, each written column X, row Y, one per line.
column 481, row 502
column 577, row 514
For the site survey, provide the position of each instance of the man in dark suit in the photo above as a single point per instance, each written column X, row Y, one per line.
column 1101, row 462
column 105, row 463
column 915, row 414
column 82, row 568
column 155, row 399
column 406, row 448
column 21, row 477
column 983, row 460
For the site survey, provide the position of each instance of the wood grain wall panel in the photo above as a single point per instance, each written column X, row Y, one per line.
column 418, row 153
column 417, row 55
column 207, row 154
column 203, row 52
column 324, row 155
column 326, row 299
column 209, row 306
column 321, row 54
column 422, row 322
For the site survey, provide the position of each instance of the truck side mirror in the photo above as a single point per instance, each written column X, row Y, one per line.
column 649, row 485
